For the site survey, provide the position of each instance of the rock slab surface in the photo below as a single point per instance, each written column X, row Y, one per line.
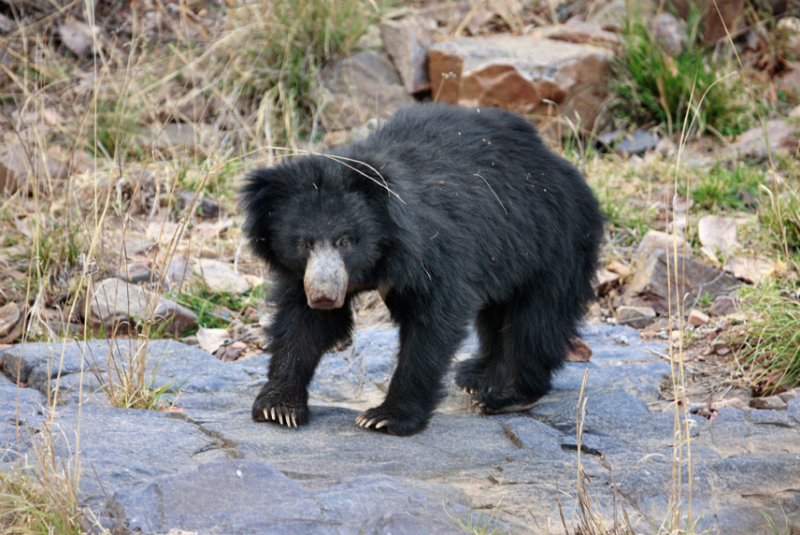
column 210, row 469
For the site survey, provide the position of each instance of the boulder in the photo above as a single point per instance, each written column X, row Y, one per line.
column 527, row 74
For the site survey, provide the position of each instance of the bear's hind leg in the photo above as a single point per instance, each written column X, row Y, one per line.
column 472, row 375
column 300, row 336
column 535, row 336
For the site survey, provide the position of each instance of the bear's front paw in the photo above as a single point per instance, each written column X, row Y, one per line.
column 268, row 409
column 392, row 421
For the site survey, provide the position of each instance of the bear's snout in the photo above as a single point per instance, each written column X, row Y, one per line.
column 325, row 279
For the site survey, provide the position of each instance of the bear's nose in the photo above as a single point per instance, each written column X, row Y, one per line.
column 325, row 279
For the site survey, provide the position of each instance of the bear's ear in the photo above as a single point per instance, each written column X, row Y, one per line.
column 263, row 192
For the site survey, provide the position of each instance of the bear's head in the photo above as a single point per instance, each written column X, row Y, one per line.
column 319, row 219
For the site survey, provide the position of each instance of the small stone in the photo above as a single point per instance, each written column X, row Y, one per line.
column 10, row 313
column 605, row 279
column 637, row 317
column 577, row 31
column 207, row 230
column 204, row 206
column 723, row 305
column 619, row 268
column 751, row 269
column 655, row 281
column 697, row 318
column 774, row 403
column 662, row 324
column 177, row 273
column 77, row 36
column 219, row 277
column 612, row 15
column 136, row 272
column 165, row 233
column 19, row 167
column 669, row 33
column 210, row 340
column 655, row 240
column 752, row 143
column 717, row 234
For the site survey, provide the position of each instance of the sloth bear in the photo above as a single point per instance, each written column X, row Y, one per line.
column 453, row 215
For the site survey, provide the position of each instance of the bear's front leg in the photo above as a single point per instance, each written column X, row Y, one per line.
column 300, row 336
column 416, row 387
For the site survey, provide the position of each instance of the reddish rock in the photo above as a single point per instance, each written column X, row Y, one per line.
column 697, row 318
column 527, row 74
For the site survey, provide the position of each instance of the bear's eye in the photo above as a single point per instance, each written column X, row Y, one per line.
column 343, row 243
column 304, row 244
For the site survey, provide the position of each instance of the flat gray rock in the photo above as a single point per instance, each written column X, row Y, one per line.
column 208, row 468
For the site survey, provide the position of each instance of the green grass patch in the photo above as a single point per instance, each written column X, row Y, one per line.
column 781, row 217
column 33, row 503
column 723, row 188
column 650, row 85
column 217, row 310
column 771, row 345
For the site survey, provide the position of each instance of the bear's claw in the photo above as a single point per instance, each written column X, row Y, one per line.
column 281, row 415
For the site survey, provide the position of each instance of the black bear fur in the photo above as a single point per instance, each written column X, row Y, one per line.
column 455, row 215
